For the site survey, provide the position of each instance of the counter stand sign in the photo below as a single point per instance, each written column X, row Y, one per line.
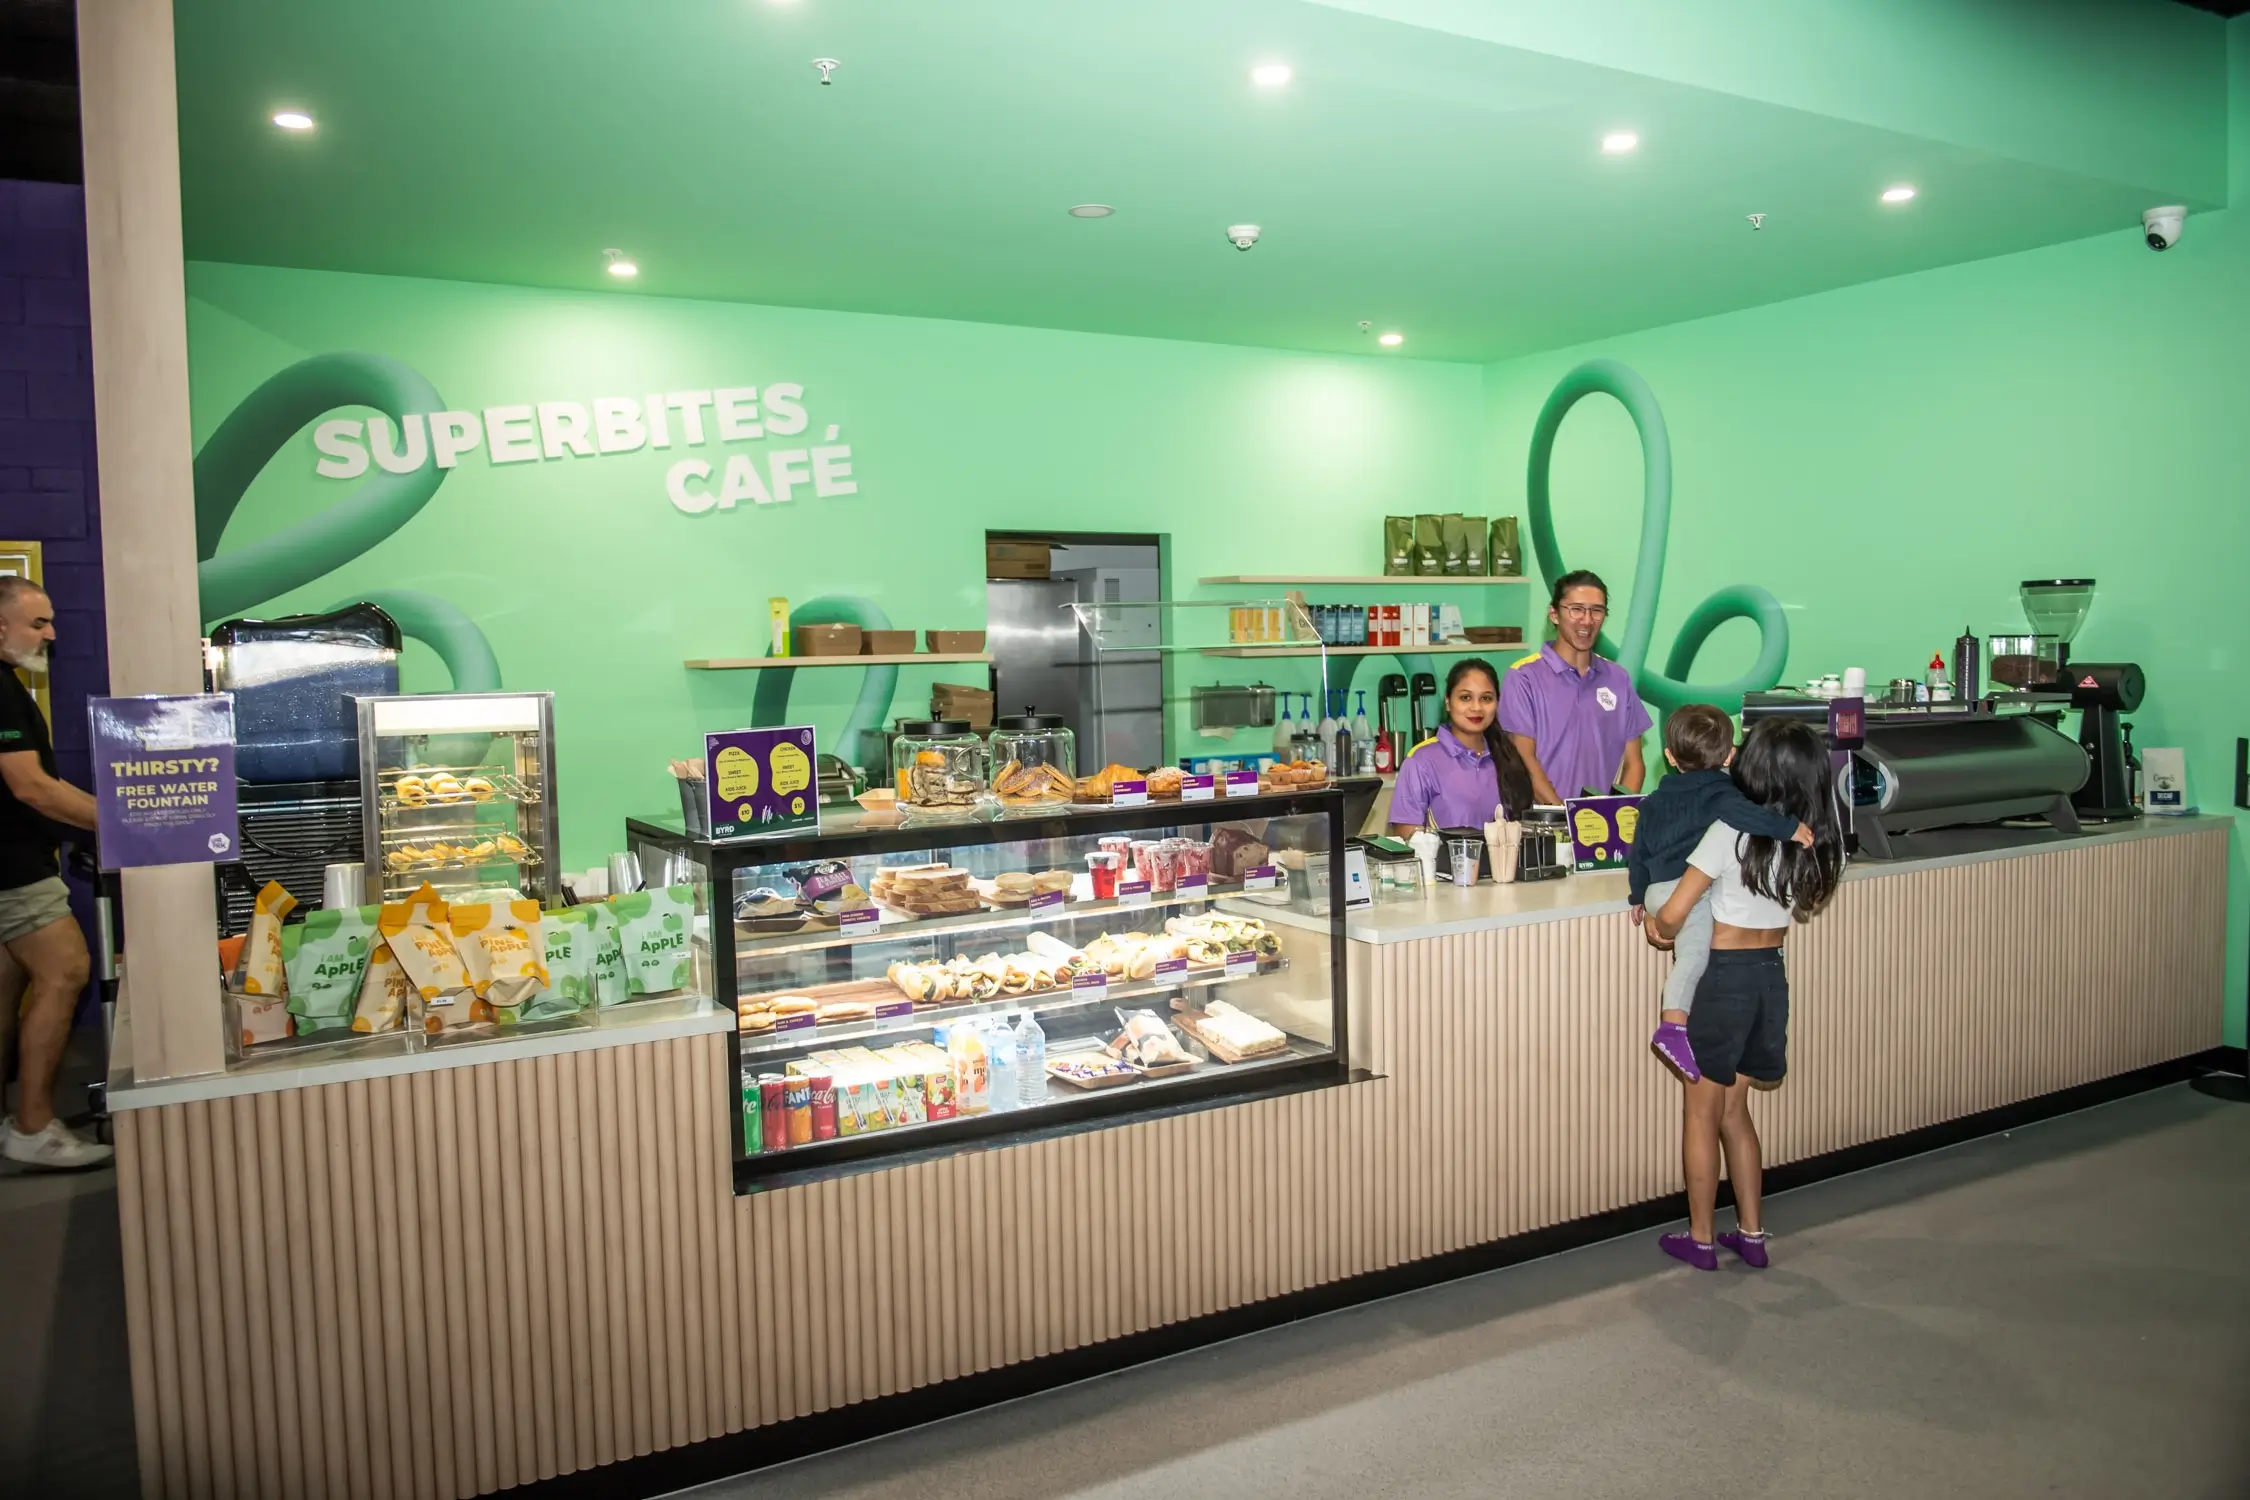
column 760, row 782
column 164, row 779
column 1603, row 829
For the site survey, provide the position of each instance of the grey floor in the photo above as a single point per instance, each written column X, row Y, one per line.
column 66, row 1421
column 2064, row 1311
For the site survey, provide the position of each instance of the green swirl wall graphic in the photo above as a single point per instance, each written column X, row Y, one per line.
column 249, row 575
column 1669, row 688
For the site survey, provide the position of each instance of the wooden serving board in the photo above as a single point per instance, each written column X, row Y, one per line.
column 1190, row 1021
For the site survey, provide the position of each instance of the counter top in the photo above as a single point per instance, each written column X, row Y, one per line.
column 389, row 1056
column 1450, row 909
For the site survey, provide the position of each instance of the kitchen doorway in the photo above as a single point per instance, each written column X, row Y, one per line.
column 1043, row 662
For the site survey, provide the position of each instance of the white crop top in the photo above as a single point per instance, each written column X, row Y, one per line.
column 1732, row 902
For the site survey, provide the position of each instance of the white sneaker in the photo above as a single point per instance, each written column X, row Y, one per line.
column 57, row 1148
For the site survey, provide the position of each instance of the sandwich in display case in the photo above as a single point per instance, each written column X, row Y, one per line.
column 904, row 987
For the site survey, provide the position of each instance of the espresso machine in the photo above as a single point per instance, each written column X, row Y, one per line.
column 2103, row 692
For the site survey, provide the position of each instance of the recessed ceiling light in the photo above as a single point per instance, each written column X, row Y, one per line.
column 1391, row 340
column 1618, row 142
column 1897, row 194
column 621, row 265
column 1271, row 75
column 293, row 119
column 1091, row 211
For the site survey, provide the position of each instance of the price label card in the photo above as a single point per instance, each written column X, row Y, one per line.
column 1242, row 783
column 1132, row 893
column 1129, row 793
column 1090, row 987
column 1260, row 878
column 861, row 923
column 1241, row 965
column 794, row 1023
column 1046, row 903
column 891, row 1009
column 1170, row 968
column 1196, row 788
column 1195, row 887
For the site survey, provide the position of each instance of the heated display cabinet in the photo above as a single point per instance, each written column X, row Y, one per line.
column 458, row 790
column 882, row 971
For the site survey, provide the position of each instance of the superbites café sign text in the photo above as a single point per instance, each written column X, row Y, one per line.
column 606, row 426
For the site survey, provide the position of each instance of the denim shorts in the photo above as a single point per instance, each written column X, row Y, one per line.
column 1740, row 1023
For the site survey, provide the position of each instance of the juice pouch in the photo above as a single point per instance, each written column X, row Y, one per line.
column 570, row 938
column 504, row 952
column 263, row 972
column 416, row 931
column 326, row 955
column 384, row 993
column 652, row 930
column 610, row 987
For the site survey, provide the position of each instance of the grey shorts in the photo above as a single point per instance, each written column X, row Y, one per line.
column 27, row 908
column 1691, row 950
column 1741, row 1020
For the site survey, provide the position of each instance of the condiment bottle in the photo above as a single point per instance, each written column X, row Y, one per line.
column 1941, row 690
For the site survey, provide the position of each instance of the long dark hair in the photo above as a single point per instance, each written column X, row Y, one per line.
column 1784, row 765
column 1508, row 768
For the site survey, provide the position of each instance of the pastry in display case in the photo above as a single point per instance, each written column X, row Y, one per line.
column 900, row 988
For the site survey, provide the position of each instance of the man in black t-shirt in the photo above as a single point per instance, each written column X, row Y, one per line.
column 36, row 926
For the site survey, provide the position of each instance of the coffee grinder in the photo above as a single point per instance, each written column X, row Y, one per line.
column 2102, row 691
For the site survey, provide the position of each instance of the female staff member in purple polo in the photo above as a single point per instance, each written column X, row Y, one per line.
column 1574, row 715
column 1467, row 774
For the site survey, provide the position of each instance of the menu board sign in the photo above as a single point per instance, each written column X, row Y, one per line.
column 1603, row 829
column 164, row 779
column 759, row 782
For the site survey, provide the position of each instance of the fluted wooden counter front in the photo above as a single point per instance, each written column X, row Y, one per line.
column 312, row 1314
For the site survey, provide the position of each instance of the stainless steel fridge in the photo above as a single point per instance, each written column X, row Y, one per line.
column 1042, row 660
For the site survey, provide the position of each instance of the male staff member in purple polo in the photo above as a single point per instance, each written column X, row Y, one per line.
column 1574, row 716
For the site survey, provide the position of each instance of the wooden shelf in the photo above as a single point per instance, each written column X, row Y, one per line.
column 907, row 659
column 1263, row 580
column 1456, row 647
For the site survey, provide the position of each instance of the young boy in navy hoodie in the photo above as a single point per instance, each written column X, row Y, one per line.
column 1699, row 746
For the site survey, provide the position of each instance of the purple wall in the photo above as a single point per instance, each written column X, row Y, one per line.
column 47, row 491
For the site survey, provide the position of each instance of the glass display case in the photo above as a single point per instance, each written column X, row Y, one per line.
column 903, row 988
column 458, row 790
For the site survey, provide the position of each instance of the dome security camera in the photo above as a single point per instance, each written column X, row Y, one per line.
column 1242, row 236
column 2163, row 225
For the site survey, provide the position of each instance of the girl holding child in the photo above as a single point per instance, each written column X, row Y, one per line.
column 1766, row 857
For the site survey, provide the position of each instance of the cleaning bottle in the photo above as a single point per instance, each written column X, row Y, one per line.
column 1363, row 735
column 1327, row 731
column 1284, row 732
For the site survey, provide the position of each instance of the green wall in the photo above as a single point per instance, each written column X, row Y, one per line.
column 1892, row 459
column 589, row 582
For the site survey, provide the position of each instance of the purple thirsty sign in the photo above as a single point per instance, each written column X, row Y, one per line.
column 164, row 779
column 760, row 782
